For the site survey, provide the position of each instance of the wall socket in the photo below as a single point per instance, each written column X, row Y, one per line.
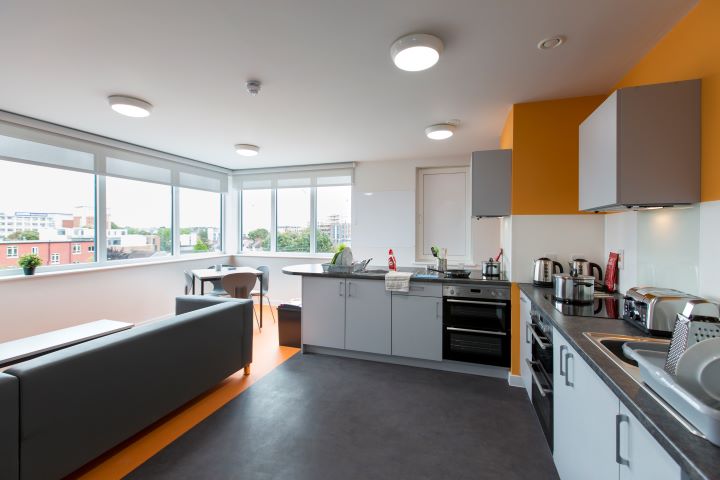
column 621, row 258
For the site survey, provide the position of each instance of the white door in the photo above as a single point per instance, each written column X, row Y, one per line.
column 417, row 327
column 525, row 343
column 323, row 312
column 640, row 455
column 367, row 316
column 583, row 418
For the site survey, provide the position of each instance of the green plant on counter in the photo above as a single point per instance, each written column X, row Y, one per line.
column 340, row 248
column 30, row 260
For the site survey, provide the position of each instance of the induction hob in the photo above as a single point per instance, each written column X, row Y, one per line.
column 605, row 306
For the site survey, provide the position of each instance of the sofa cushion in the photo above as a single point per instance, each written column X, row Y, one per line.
column 79, row 402
column 9, row 433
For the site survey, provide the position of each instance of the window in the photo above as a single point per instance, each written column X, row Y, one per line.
column 58, row 200
column 91, row 248
column 55, row 259
column 333, row 218
column 34, row 250
column 12, row 252
column 293, row 219
column 139, row 219
column 76, row 249
column 256, row 220
column 200, row 221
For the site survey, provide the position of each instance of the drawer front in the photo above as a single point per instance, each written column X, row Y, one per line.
column 423, row 289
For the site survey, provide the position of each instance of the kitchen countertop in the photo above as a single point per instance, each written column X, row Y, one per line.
column 699, row 458
column 315, row 270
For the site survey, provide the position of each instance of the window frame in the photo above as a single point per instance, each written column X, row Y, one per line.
column 14, row 248
column 53, row 257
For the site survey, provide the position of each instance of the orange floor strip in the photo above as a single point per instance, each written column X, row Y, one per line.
column 117, row 463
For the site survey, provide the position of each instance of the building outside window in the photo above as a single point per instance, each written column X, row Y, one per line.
column 91, row 248
column 54, row 259
column 76, row 249
column 293, row 220
column 333, row 217
column 35, row 250
column 256, row 220
column 200, row 221
column 12, row 251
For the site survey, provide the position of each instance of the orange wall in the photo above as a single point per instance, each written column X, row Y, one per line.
column 506, row 137
column 692, row 50
column 545, row 154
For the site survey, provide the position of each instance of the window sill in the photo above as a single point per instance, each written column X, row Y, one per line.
column 317, row 256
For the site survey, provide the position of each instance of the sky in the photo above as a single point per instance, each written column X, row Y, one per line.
column 131, row 203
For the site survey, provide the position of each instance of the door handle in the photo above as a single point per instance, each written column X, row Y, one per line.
column 470, row 330
column 476, row 302
column 619, row 419
column 541, row 343
column 341, row 289
column 349, row 289
column 543, row 391
column 562, row 347
column 527, row 332
column 568, row 383
column 437, row 309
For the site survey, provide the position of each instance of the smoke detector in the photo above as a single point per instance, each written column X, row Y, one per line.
column 253, row 87
column 550, row 43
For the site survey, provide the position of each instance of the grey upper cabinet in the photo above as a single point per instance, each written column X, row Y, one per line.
column 641, row 147
column 491, row 183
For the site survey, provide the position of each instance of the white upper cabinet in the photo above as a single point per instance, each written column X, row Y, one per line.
column 491, row 183
column 641, row 147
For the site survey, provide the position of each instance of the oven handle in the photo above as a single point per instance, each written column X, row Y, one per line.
column 476, row 302
column 541, row 343
column 488, row 332
column 543, row 391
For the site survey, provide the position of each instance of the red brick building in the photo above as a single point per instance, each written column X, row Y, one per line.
column 53, row 253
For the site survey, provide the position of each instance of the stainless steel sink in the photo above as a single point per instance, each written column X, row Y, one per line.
column 612, row 346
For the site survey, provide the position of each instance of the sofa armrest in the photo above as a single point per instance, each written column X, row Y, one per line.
column 9, row 427
column 190, row 303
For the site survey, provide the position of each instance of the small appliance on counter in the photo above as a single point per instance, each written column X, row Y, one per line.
column 490, row 268
column 654, row 310
column 582, row 267
column 543, row 270
column 574, row 289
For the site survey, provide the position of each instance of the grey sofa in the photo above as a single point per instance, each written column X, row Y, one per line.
column 74, row 404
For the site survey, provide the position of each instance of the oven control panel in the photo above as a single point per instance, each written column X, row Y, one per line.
column 479, row 292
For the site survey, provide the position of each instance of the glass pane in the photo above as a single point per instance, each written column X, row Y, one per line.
column 139, row 219
column 293, row 220
column 47, row 211
column 200, row 220
column 256, row 217
column 333, row 218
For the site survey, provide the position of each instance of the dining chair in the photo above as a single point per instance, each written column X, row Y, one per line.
column 265, row 286
column 217, row 289
column 240, row 285
column 189, row 281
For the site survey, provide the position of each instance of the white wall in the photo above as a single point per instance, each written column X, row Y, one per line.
column 621, row 236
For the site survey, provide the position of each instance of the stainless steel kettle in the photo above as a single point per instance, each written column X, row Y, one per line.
column 582, row 267
column 543, row 269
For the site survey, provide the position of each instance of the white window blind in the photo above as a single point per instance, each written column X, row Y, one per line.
column 299, row 177
column 27, row 151
column 134, row 170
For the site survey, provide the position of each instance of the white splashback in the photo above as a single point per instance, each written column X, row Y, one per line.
column 621, row 235
column 709, row 250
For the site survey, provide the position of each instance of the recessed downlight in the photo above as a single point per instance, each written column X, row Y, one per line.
column 247, row 150
column 416, row 52
column 130, row 106
column 440, row 131
column 550, row 43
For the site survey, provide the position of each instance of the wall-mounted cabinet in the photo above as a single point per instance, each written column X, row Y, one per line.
column 491, row 183
column 641, row 148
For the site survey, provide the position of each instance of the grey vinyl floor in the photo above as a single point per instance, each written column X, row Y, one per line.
column 321, row 417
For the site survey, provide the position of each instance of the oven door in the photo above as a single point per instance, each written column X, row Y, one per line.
column 476, row 331
column 541, row 369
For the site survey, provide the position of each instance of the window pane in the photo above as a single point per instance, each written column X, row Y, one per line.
column 293, row 220
column 200, row 220
column 256, row 217
column 333, row 218
column 139, row 219
column 45, row 210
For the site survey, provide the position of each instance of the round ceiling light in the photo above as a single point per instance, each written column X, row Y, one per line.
column 130, row 106
column 416, row 52
column 550, row 43
column 441, row 131
column 247, row 150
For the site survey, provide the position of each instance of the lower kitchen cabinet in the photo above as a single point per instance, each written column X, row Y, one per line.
column 367, row 316
column 323, row 312
column 595, row 436
column 525, row 343
column 417, row 327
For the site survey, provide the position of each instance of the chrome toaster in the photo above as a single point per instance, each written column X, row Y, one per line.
column 654, row 310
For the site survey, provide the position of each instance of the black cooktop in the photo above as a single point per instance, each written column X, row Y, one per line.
column 602, row 307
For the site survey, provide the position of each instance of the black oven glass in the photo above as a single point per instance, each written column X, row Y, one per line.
column 476, row 331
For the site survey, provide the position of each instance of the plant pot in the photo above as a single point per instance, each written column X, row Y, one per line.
column 29, row 270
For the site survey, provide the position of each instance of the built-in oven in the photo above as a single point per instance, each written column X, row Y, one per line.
column 539, row 333
column 476, row 324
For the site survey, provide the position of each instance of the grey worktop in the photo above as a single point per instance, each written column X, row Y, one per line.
column 315, row 270
column 699, row 458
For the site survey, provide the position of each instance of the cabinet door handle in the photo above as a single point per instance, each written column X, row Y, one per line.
column 349, row 289
column 472, row 330
column 568, row 383
column 562, row 347
column 437, row 309
column 340, row 288
column 527, row 332
column 541, row 343
column 619, row 419
column 543, row 391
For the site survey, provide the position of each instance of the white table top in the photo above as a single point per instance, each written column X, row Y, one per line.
column 17, row 350
column 212, row 274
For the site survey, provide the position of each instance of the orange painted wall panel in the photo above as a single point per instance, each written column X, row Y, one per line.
column 692, row 50
column 506, row 137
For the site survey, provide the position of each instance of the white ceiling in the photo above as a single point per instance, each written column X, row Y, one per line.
column 330, row 91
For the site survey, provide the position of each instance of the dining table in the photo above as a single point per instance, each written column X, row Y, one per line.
column 208, row 274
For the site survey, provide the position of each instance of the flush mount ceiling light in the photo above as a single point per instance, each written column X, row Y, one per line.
column 440, row 131
column 130, row 106
column 550, row 43
column 416, row 52
column 247, row 150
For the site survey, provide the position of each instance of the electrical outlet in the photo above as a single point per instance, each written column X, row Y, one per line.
column 621, row 259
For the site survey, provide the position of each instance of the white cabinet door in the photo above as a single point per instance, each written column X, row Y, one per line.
column 640, row 456
column 323, row 312
column 417, row 327
column 525, row 343
column 583, row 418
column 367, row 316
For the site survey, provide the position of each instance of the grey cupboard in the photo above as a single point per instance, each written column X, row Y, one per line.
column 367, row 316
column 417, row 327
column 491, row 183
column 323, row 312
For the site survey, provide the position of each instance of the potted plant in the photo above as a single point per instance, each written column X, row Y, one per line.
column 29, row 263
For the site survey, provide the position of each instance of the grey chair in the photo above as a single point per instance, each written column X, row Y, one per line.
column 265, row 286
column 240, row 285
column 217, row 289
column 189, row 282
